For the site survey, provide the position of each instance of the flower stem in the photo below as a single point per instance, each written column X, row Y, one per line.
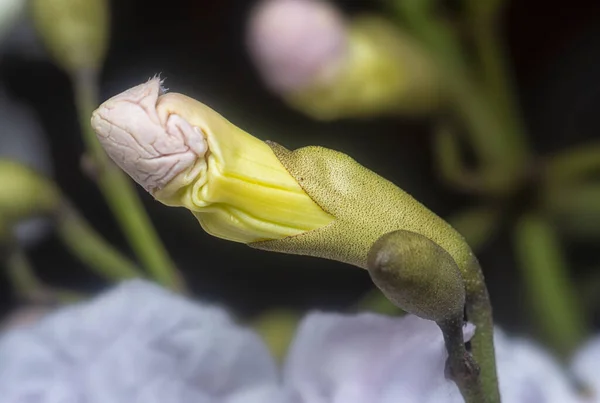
column 479, row 313
column 91, row 248
column 553, row 296
column 461, row 367
column 120, row 193
column 24, row 281
column 573, row 165
column 500, row 147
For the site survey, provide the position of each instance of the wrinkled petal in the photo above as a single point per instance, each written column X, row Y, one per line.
column 136, row 343
column 586, row 367
column 377, row 359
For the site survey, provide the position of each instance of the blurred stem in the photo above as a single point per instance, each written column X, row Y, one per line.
column 553, row 297
column 483, row 17
column 26, row 284
column 21, row 274
column 120, row 193
column 479, row 313
column 573, row 165
column 501, row 149
column 91, row 248
column 277, row 328
column 477, row 224
column 450, row 160
column 460, row 365
column 590, row 289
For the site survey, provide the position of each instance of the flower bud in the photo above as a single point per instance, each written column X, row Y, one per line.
column 186, row 154
column 24, row 193
column 417, row 275
column 295, row 43
column 311, row 201
column 330, row 68
column 75, row 32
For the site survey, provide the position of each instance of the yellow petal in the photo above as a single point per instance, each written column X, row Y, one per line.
column 234, row 184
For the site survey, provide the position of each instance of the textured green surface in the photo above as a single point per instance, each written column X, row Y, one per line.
column 417, row 275
column 365, row 206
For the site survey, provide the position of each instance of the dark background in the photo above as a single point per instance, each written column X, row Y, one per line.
column 199, row 47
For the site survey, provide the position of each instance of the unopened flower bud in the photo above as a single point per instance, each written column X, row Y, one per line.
column 311, row 201
column 74, row 31
column 24, row 193
column 417, row 275
column 296, row 43
column 186, row 154
column 331, row 68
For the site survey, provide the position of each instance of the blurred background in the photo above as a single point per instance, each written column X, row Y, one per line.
column 552, row 49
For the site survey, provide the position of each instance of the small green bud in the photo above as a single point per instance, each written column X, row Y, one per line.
column 277, row 328
column 75, row 32
column 417, row 275
column 24, row 193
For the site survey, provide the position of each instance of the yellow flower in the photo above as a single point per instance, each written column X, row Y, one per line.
column 311, row 201
column 186, row 154
column 384, row 72
column 332, row 67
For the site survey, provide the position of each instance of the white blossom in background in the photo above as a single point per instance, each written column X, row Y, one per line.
column 136, row 343
column 376, row 359
column 141, row 343
column 10, row 11
column 586, row 367
column 368, row 358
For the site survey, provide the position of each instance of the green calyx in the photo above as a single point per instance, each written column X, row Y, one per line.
column 365, row 207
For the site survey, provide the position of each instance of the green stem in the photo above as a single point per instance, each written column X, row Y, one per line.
column 120, row 193
column 21, row 275
column 91, row 248
column 482, row 17
column 25, row 282
column 555, row 303
column 501, row 149
column 477, row 224
column 449, row 157
column 573, row 165
column 461, row 366
column 479, row 313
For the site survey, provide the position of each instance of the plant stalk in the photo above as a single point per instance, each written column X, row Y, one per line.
column 120, row 193
column 460, row 366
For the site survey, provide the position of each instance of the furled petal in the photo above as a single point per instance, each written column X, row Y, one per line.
column 136, row 343
column 186, row 154
column 377, row 359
